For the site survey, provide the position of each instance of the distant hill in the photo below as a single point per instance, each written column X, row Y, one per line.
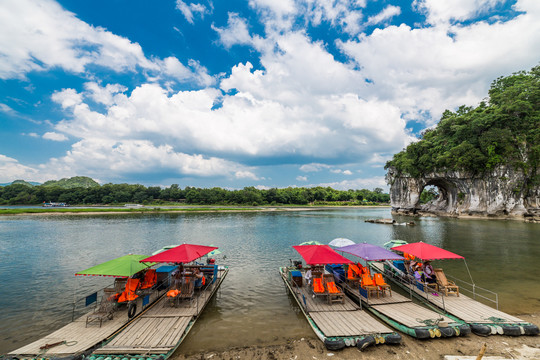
column 74, row 182
column 27, row 183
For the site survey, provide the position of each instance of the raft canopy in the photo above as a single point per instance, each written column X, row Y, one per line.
column 124, row 266
column 320, row 254
column 426, row 252
column 184, row 253
column 370, row 252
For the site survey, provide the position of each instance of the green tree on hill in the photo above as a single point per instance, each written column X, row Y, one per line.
column 504, row 130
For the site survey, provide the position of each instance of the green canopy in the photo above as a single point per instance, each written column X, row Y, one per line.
column 124, row 266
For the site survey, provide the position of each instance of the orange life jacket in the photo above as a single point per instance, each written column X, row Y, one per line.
column 173, row 293
column 332, row 289
column 367, row 280
column 318, row 286
column 129, row 292
column 379, row 281
column 150, row 279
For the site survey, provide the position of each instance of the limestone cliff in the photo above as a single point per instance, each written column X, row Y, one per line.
column 503, row 192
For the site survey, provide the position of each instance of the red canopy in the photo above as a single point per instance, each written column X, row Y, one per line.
column 181, row 254
column 425, row 251
column 320, row 254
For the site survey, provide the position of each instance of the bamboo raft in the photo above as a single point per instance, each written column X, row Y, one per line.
column 78, row 337
column 160, row 330
column 402, row 314
column 338, row 324
column 483, row 319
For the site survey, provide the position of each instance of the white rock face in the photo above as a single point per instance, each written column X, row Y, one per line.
column 504, row 193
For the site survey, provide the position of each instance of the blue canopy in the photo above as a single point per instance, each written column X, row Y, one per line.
column 370, row 252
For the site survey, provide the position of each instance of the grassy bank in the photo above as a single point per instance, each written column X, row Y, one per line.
column 146, row 210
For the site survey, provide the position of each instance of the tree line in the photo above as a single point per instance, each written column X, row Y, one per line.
column 111, row 194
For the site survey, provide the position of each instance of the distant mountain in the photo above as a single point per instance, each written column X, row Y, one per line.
column 74, row 182
column 27, row 183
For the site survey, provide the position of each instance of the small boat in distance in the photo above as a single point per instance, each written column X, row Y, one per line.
column 133, row 205
column 54, row 204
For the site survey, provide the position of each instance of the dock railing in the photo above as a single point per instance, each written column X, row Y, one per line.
column 83, row 304
column 476, row 291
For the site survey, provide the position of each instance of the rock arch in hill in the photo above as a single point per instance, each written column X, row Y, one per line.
column 502, row 193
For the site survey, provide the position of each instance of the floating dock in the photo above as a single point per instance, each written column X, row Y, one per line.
column 77, row 338
column 482, row 319
column 337, row 324
column 406, row 316
column 159, row 331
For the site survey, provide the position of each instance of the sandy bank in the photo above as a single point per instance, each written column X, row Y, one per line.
column 522, row 347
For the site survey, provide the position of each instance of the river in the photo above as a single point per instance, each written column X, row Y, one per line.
column 40, row 254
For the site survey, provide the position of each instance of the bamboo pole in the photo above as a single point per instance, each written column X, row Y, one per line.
column 482, row 352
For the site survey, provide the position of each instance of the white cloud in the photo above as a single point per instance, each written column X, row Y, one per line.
column 386, row 14
column 424, row 71
column 6, row 109
column 345, row 14
column 54, row 136
column 301, row 178
column 313, row 167
column 37, row 35
column 98, row 156
column 189, row 10
column 444, row 11
column 171, row 67
column 361, row 183
column 11, row 169
column 236, row 32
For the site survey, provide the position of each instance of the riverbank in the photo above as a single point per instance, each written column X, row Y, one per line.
column 156, row 209
column 502, row 347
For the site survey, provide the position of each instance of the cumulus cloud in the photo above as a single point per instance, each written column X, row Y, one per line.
column 236, row 32
column 11, row 169
column 344, row 14
column 51, row 135
column 424, row 71
column 444, row 11
column 39, row 35
column 96, row 156
column 301, row 178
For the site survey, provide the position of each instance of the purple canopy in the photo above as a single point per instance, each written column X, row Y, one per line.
column 370, row 252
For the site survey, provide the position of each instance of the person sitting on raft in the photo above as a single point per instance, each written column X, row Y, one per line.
column 429, row 274
column 199, row 278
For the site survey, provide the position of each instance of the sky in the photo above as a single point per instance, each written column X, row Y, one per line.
column 264, row 93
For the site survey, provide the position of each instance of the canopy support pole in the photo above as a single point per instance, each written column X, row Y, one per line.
column 472, row 281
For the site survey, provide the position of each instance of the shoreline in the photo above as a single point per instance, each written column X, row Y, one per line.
column 166, row 210
column 502, row 347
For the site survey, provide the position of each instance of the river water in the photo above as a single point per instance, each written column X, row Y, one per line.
column 40, row 254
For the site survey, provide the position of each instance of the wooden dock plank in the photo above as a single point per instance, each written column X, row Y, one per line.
column 348, row 323
column 468, row 309
column 160, row 329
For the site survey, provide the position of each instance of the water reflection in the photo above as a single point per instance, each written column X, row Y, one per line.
column 40, row 254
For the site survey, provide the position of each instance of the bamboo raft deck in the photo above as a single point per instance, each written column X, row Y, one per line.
column 162, row 328
column 78, row 336
column 336, row 319
column 462, row 306
column 402, row 310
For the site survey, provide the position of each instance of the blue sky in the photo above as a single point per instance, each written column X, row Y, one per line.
column 265, row 93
